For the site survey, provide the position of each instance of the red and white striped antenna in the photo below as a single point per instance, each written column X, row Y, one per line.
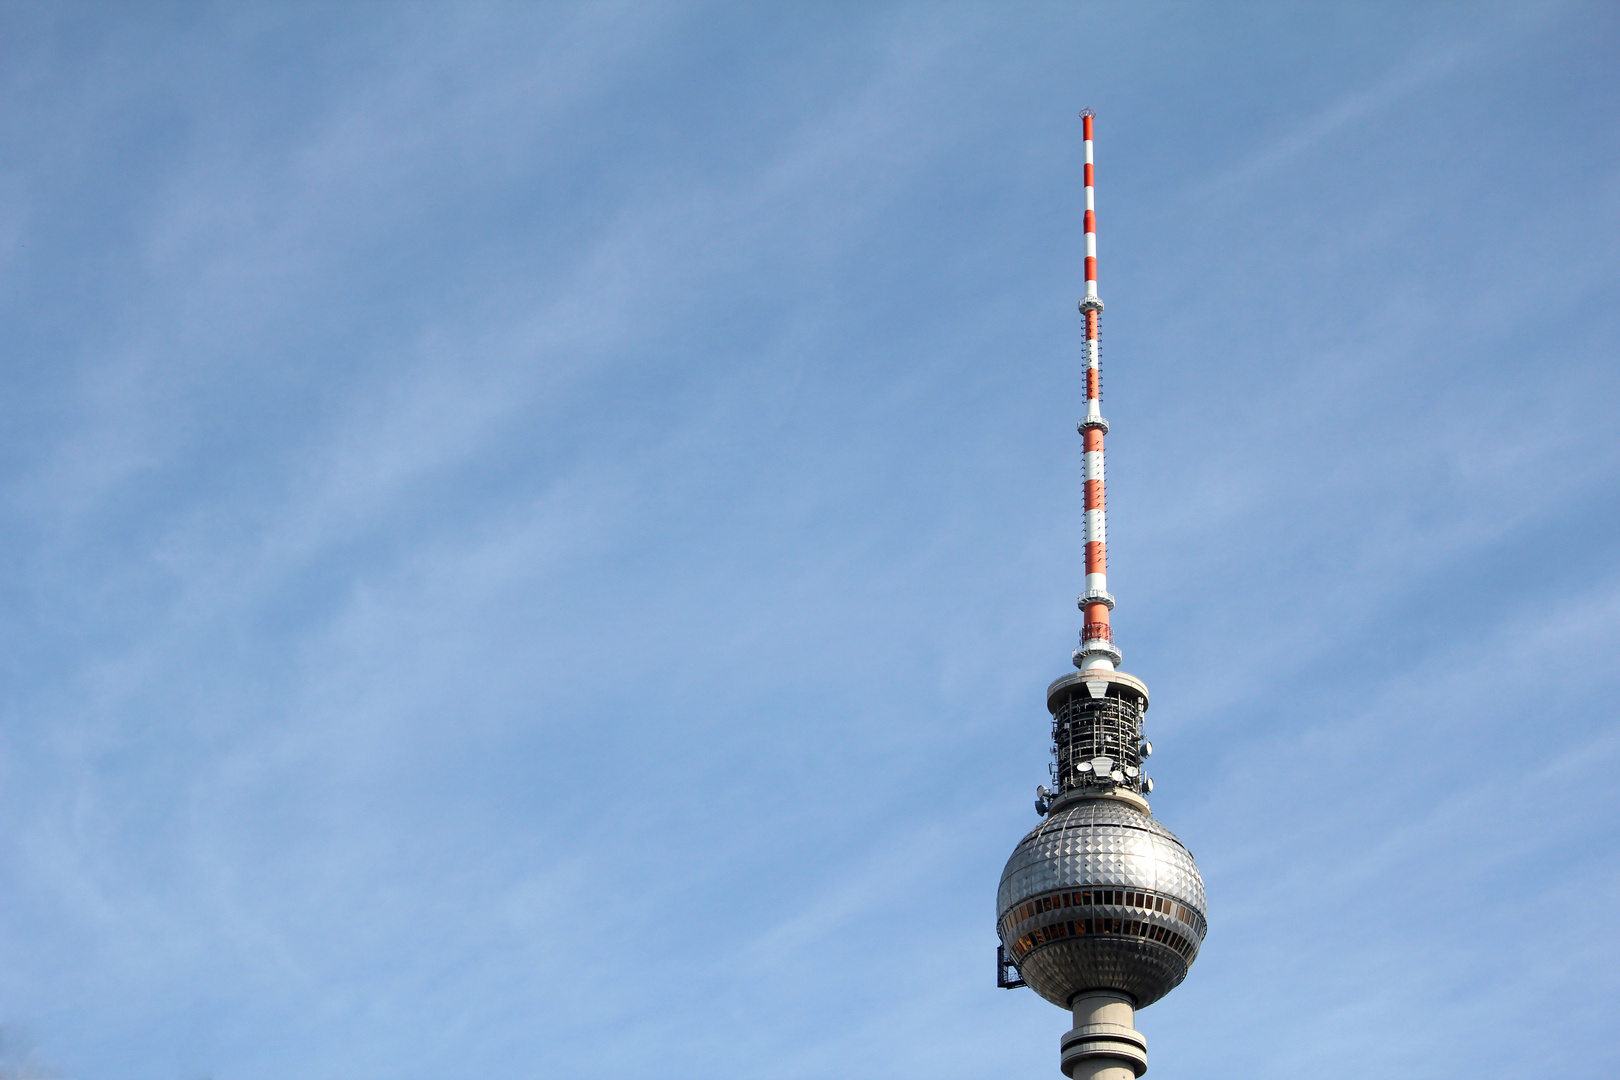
column 1097, row 649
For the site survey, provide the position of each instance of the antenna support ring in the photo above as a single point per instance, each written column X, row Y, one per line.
column 1097, row 647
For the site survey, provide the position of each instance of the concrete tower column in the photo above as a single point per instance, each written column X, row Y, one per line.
column 1104, row 1044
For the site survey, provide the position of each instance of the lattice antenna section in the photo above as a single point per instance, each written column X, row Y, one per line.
column 1097, row 740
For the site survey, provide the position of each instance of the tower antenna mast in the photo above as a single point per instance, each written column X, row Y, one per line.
column 1097, row 650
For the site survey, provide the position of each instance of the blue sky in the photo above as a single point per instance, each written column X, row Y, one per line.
column 534, row 536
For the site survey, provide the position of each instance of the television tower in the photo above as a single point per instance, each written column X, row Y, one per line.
column 1101, row 908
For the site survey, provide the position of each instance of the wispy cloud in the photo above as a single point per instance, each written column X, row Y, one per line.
column 515, row 514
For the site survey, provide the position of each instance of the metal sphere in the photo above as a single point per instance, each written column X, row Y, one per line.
column 1101, row 896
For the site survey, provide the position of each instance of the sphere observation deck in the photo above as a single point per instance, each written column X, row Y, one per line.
column 1100, row 895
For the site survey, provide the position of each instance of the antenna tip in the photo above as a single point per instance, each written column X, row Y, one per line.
column 1088, row 113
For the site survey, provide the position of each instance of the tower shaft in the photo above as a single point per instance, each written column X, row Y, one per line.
column 1104, row 1043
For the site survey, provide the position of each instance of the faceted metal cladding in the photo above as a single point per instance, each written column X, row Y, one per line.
column 1093, row 845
